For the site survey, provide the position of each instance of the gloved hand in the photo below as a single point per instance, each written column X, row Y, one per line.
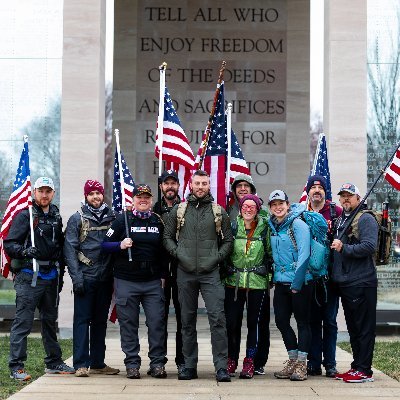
column 30, row 252
column 79, row 289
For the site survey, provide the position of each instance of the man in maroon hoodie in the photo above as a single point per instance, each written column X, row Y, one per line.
column 325, row 302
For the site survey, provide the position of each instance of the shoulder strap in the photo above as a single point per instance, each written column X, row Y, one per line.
column 180, row 217
column 84, row 227
column 159, row 217
column 217, row 211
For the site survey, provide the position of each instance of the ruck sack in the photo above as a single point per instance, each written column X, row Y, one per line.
column 384, row 234
column 180, row 217
column 319, row 252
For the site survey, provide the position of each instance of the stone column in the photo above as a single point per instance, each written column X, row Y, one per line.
column 82, row 113
column 345, row 91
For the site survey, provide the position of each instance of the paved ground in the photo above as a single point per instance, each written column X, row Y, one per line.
column 260, row 387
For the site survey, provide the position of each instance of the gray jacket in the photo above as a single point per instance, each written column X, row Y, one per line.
column 355, row 265
column 100, row 268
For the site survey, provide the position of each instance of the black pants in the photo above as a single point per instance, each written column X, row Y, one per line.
column 287, row 303
column 90, row 324
column 44, row 297
column 359, row 306
column 171, row 291
column 258, row 314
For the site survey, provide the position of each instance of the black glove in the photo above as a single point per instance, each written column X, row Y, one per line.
column 30, row 252
column 79, row 289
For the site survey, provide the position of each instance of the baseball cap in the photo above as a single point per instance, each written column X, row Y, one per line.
column 44, row 181
column 349, row 188
column 277, row 195
column 141, row 188
column 169, row 173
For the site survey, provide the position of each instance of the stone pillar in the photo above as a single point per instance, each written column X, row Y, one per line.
column 345, row 92
column 82, row 113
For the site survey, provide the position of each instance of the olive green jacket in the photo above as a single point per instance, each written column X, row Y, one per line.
column 198, row 249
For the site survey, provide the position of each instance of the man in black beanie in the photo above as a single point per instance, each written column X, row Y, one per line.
column 325, row 302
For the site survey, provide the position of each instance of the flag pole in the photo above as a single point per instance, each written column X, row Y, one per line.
column 34, row 262
column 208, row 128
column 357, row 209
column 229, row 155
column 122, row 184
column 314, row 167
column 160, row 128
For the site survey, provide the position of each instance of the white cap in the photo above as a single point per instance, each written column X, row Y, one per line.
column 44, row 181
column 277, row 195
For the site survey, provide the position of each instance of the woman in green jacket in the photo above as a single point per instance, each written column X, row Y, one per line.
column 248, row 283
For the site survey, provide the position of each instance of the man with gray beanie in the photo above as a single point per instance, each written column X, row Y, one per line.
column 325, row 302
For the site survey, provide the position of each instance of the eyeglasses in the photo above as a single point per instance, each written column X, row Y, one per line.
column 245, row 207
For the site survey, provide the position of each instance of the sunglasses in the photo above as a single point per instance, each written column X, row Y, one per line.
column 245, row 207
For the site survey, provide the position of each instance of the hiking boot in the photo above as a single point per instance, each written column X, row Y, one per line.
column 20, row 375
column 248, row 369
column 222, row 375
column 187, row 374
column 180, row 368
column 331, row 372
column 82, row 372
column 259, row 371
column 312, row 371
column 132, row 373
column 287, row 370
column 358, row 377
column 300, row 371
column 60, row 369
column 106, row 370
column 231, row 366
column 158, row 372
column 343, row 375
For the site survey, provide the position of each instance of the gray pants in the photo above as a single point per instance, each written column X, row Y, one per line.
column 128, row 297
column 212, row 290
column 44, row 297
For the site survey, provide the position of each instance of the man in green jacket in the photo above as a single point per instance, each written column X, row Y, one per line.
column 199, row 251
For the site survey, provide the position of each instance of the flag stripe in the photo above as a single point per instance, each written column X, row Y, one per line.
column 392, row 173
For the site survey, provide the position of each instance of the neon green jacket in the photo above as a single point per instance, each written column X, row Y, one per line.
column 242, row 262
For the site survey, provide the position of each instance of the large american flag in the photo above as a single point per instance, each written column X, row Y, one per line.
column 216, row 152
column 321, row 167
column 128, row 184
column 392, row 173
column 20, row 199
column 176, row 151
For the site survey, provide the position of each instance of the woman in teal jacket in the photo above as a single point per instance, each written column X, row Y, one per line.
column 248, row 283
column 290, row 243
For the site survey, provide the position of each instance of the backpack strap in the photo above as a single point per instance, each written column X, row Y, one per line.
column 159, row 217
column 180, row 217
column 217, row 211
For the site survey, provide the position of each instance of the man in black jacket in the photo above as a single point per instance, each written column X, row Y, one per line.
column 169, row 187
column 355, row 273
column 47, row 252
column 91, row 273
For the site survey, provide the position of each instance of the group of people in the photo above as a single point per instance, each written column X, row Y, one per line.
column 176, row 250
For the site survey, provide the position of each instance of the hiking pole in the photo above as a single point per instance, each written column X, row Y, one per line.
column 358, row 208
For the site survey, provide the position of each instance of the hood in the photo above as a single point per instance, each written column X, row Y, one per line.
column 243, row 178
column 295, row 210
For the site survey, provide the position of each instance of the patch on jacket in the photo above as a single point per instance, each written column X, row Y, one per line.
column 110, row 232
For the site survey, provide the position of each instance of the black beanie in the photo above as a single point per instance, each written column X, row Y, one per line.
column 316, row 180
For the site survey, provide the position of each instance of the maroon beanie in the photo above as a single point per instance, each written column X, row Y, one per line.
column 253, row 197
column 91, row 186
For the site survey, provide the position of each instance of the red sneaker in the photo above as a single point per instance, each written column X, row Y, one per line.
column 231, row 367
column 358, row 377
column 340, row 377
column 248, row 369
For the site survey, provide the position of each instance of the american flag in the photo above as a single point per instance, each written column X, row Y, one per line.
column 216, row 153
column 176, row 151
column 321, row 167
column 392, row 173
column 21, row 198
column 128, row 183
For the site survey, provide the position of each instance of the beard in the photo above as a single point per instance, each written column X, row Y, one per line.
column 171, row 194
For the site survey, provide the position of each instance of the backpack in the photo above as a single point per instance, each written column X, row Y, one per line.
column 320, row 251
column 217, row 211
column 384, row 235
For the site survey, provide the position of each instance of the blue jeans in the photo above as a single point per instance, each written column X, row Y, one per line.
column 323, row 326
column 90, row 324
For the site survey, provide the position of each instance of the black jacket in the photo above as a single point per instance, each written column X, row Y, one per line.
column 354, row 265
column 101, row 267
column 149, row 261
column 49, row 238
